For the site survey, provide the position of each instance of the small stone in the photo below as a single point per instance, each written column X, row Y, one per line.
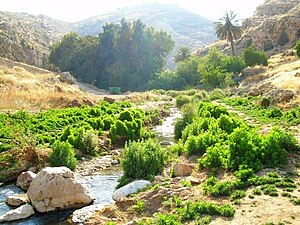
column 25, row 179
column 182, row 169
column 17, row 200
column 114, row 162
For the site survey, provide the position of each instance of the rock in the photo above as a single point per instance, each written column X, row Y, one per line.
column 166, row 143
column 114, row 162
column 25, row 179
column 22, row 212
column 66, row 77
column 182, row 169
column 130, row 188
column 82, row 215
column 56, row 188
column 108, row 99
column 17, row 200
column 194, row 180
column 251, row 71
column 33, row 169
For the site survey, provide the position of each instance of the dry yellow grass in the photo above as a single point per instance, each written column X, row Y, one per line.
column 20, row 89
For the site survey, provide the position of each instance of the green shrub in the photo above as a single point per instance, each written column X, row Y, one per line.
column 167, row 219
column 235, row 64
column 118, row 129
column 63, row 155
column 254, row 57
column 143, row 159
column 90, row 143
column 125, row 115
column 297, row 48
column 193, row 210
column 216, row 157
column 182, row 100
column 218, row 188
column 244, row 173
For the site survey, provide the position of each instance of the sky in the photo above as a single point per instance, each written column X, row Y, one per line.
column 76, row 10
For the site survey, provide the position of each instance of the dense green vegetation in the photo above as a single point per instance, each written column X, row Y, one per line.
column 263, row 110
column 75, row 128
column 230, row 143
column 125, row 55
column 142, row 160
column 254, row 57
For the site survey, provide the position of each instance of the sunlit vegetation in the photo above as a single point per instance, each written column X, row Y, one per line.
column 75, row 128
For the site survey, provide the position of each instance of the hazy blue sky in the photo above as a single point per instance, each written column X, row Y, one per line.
column 75, row 10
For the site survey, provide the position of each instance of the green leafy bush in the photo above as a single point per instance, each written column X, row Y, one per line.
column 182, row 100
column 63, row 155
column 254, row 57
column 143, row 159
column 192, row 210
column 90, row 143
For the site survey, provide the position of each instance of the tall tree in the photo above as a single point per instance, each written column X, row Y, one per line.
column 183, row 53
column 228, row 29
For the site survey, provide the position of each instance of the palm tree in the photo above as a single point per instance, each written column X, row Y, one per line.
column 183, row 53
column 228, row 29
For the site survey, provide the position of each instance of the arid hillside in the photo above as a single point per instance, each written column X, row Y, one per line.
column 274, row 26
column 31, row 88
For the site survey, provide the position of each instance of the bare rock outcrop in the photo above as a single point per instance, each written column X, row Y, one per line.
column 57, row 188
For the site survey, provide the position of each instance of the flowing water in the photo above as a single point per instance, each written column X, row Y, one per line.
column 101, row 184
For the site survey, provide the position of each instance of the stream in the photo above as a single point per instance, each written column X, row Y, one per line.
column 101, row 184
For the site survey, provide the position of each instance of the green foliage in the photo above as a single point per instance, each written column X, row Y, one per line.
column 63, row 155
column 254, row 57
column 297, row 48
column 166, row 219
column 143, row 159
column 192, row 210
column 218, row 188
column 125, row 55
column 182, row 100
column 90, row 143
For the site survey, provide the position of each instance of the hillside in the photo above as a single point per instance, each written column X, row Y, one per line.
column 26, row 87
column 186, row 28
column 26, row 38
column 274, row 26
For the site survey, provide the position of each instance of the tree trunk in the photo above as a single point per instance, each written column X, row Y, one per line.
column 232, row 48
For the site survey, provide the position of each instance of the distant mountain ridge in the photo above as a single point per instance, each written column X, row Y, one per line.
column 186, row 28
column 27, row 38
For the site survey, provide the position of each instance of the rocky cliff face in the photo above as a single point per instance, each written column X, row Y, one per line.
column 26, row 38
column 275, row 24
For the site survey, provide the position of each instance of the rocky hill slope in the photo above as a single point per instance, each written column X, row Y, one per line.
column 186, row 28
column 274, row 26
column 26, row 38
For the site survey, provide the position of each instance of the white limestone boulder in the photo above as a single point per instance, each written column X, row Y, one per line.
column 22, row 212
column 57, row 188
column 130, row 188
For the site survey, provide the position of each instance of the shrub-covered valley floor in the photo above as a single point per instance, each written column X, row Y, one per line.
column 243, row 154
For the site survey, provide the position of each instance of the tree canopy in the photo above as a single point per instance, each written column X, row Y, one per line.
column 127, row 55
column 228, row 29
